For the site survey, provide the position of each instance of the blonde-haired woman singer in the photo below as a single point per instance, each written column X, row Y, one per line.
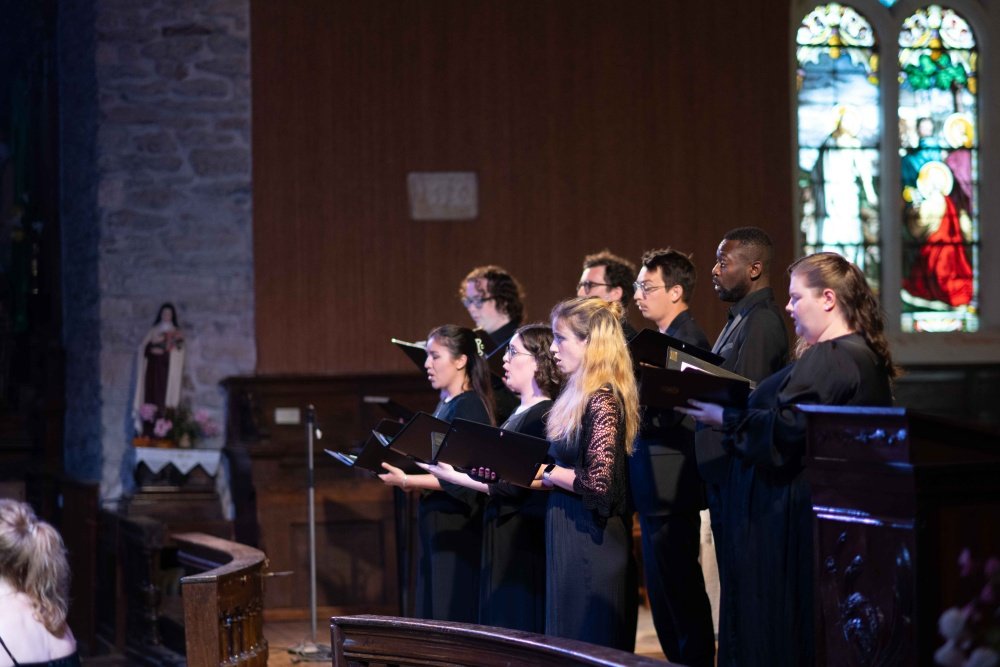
column 590, row 584
column 34, row 591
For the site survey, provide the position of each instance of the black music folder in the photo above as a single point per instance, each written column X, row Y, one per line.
column 415, row 352
column 667, row 388
column 513, row 456
column 679, row 360
column 419, row 438
column 652, row 348
column 394, row 409
column 494, row 359
column 373, row 453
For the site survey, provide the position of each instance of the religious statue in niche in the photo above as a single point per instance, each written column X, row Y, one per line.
column 160, row 366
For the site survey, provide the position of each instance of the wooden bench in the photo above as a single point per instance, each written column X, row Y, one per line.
column 223, row 601
column 379, row 640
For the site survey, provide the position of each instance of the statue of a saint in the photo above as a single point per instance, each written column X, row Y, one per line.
column 160, row 365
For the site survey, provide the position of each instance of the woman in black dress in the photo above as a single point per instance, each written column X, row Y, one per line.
column 592, row 426
column 512, row 583
column 766, row 615
column 450, row 516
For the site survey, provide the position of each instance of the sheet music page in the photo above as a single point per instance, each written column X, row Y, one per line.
column 422, row 344
column 346, row 459
column 685, row 366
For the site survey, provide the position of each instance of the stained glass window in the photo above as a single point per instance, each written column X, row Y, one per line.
column 839, row 125
column 939, row 170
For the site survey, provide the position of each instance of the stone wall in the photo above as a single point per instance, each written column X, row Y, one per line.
column 158, row 210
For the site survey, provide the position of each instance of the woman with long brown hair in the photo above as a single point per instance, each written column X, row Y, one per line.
column 448, row 569
column 512, row 584
column 766, row 617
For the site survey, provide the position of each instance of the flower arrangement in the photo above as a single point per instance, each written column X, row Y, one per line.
column 180, row 427
column 972, row 631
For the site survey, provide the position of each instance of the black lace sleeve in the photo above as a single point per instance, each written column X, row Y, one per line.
column 597, row 479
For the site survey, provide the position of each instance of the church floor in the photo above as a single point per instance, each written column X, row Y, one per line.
column 286, row 634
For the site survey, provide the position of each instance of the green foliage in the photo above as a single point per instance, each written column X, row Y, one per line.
column 938, row 73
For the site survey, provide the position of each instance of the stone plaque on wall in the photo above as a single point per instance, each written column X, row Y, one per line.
column 443, row 195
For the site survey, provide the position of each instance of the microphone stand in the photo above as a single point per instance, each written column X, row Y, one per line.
column 310, row 650
column 310, row 436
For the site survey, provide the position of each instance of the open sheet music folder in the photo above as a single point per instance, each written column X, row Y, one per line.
column 513, row 456
column 494, row 359
column 667, row 388
column 419, row 438
column 492, row 352
column 395, row 409
column 682, row 361
column 374, row 453
column 415, row 352
column 652, row 348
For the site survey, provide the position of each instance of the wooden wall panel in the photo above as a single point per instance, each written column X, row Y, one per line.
column 590, row 124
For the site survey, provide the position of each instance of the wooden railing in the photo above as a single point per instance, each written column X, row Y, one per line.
column 377, row 640
column 223, row 601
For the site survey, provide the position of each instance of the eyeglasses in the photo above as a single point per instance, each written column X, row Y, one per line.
column 475, row 302
column 646, row 289
column 588, row 285
column 512, row 352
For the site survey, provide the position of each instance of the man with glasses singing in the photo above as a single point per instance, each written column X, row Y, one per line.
column 666, row 490
column 609, row 277
column 494, row 300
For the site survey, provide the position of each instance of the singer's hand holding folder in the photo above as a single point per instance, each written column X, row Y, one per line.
column 667, row 388
column 374, row 453
column 513, row 456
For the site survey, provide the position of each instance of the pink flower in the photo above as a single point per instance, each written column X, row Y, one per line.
column 992, row 567
column 208, row 426
column 162, row 427
column 147, row 411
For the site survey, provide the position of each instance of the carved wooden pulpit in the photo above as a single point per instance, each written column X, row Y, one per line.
column 898, row 497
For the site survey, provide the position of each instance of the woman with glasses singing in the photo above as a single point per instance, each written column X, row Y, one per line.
column 590, row 587
column 512, row 585
column 448, row 570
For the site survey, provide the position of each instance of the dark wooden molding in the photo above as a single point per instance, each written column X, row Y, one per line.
column 377, row 640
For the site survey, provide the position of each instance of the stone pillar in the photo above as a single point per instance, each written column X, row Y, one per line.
column 156, row 207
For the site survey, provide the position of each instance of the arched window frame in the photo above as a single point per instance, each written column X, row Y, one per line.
column 927, row 348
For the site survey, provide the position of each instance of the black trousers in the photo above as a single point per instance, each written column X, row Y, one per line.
column 712, row 495
column 682, row 614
